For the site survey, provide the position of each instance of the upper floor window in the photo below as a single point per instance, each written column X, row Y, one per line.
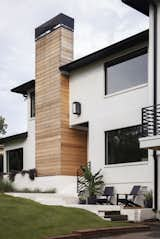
column 126, row 72
column 122, row 146
column 32, row 97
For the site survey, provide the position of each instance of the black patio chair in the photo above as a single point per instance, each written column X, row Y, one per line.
column 107, row 196
column 129, row 199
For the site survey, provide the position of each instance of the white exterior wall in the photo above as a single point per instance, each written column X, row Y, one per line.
column 27, row 144
column 158, row 52
column 151, row 70
column 105, row 113
column 158, row 95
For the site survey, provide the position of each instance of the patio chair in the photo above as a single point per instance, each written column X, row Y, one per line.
column 129, row 199
column 107, row 196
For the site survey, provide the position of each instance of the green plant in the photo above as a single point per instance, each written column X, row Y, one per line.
column 92, row 183
column 6, row 186
column 148, row 199
column 12, row 175
column 36, row 190
column 3, row 126
column 31, row 172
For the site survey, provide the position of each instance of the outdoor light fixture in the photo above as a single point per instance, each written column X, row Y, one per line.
column 76, row 108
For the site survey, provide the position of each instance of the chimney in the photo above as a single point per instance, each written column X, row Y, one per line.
column 55, row 142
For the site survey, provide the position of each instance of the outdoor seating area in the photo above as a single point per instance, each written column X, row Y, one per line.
column 128, row 200
column 91, row 189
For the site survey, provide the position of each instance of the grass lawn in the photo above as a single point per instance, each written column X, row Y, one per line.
column 22, row 218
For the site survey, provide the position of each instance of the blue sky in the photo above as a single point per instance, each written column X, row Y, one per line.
column 97, row 25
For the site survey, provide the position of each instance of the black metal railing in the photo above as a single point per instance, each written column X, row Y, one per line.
column 151, row 121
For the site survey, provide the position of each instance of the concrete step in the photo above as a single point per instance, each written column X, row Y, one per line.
column 117, row 217
column 112, row 213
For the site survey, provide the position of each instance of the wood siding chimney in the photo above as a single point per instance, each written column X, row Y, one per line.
column 59, row 149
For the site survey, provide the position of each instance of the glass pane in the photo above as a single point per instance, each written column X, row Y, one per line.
column 32, row 95
column 127, row 74
column 15, row 160
column 123, row 146
column 1, row 163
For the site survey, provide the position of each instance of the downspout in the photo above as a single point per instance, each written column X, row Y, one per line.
column 155, row 106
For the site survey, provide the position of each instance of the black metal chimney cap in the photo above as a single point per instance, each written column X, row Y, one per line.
column 60, row 19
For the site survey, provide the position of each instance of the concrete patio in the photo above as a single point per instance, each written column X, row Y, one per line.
column 135, row 215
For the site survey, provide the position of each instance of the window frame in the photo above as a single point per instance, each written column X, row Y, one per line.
column 2, row 158
column 32, row 113
column 106, row 148
column 118, row 60
column 7, row 158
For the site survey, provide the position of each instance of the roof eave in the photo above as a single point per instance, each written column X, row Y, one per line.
column 7, row 139
column 24, row 88
column 98, row 55
column 140, row 5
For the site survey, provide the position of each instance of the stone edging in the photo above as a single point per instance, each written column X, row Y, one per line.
column 101, row 232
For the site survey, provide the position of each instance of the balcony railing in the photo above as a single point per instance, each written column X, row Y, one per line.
column 151, row 121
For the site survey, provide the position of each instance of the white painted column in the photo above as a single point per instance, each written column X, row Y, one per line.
column 151, row 56
column 158, row 94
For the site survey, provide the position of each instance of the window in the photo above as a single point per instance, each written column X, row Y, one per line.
column 32, row 95
column 15, row 160
column 122, row 146
column 1, row 163
column 126, row 72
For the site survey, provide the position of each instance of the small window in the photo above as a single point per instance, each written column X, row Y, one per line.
column 32, row 96
column 1, row 163
column 15, row 160
column 126, row 72
column 122, row 146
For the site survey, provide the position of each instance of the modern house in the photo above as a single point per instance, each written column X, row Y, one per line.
column 102, row 108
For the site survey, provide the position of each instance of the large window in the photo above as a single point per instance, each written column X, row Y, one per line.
column 1, row 163
column 32, row 95
column 15, row 160
column 126, row 72
column 122, row 146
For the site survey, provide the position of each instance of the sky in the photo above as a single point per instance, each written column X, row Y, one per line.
column 97, row 25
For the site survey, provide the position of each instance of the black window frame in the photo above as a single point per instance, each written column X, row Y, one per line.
column 118, row 60
column 32, row 112
column 7, row 159
column 2, row 162
column 106, row 147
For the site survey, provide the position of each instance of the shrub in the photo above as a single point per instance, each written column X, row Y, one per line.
column 6, row 186
column 36, row 190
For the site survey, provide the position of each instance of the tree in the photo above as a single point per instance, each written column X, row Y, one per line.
column 3, row 126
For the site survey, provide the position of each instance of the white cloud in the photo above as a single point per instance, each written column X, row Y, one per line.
column 97, row 24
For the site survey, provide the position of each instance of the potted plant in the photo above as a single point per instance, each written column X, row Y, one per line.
column 92, row 184
column 148, row 201
column 82, row 197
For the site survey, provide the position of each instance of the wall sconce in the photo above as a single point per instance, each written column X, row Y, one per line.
column 76, row 108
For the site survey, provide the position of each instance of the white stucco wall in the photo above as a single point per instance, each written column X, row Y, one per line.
column 106, row 113
column 158, row 51
column 151, row 65
column 27, row 144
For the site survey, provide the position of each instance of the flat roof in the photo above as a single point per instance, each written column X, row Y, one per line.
column 14, row 137
column 22, row 89
column 103, row 53
column 140, row 5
